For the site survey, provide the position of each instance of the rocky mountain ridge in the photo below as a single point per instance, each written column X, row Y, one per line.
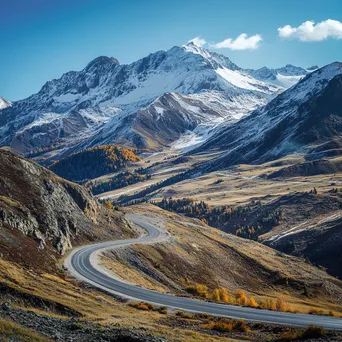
column 301, row 119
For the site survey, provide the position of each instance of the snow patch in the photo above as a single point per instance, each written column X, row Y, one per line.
column 66, row 98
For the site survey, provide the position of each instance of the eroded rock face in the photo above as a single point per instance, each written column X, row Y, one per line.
column 36, row 203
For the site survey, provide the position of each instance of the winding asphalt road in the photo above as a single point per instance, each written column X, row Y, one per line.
column 83, row 264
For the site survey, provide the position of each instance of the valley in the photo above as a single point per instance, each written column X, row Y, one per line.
column 83, row 263
column 247, row 185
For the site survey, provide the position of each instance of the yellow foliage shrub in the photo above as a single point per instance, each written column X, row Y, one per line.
column 185, row 315
column 216, row 295
column 198, row 290
column 148, row 307
column 241, row 297
column 281, row 304
column 268, row 304
column 227, row 325
column 108, row 205
column 253, row 303
column 224, row 295
column 314, row 311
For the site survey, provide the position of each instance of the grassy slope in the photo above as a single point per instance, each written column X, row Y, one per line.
column 200, row 254
column 60, row 296
column 10, row 330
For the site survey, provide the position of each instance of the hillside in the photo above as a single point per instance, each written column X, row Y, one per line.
column 274, row 203
column 94, row 162
column 318, row 240
column 43, row 216
column 303, row 224
column 310, row 168
column 198, row 254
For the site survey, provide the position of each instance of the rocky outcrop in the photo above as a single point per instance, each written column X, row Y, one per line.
column 36, row 203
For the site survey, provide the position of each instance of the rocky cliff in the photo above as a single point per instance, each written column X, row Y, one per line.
column 40, row 211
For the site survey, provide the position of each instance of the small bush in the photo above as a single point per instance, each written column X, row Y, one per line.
column 162, row 310
column 240, row 325
column 227, row 325
column 224, row 295
column 281, row 305
column 198, row 290
column 108, row 205
column 291, row 309
column 313, row 331
column 185, row 315
column 216, row 295
column 314, row 311
column 219, row 326
column 151, row 307
column 306, row 291
column 204, row 315
column 291, row 335
column 241, row 297
column 268, row 304
column 253, row 303
column 139, row 306
column 148, row 307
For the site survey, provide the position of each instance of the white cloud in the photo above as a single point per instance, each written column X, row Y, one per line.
column 309, row 32
column 198, row 41
column 242, row 42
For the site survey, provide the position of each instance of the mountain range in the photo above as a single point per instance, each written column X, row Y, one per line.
column 177, row 97
column 306, row 118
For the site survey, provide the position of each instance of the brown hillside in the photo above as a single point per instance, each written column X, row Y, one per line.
column 43, row 216
column 198, row 254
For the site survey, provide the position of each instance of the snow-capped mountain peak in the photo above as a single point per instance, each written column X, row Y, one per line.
column 4, row 103
column 215, row 59
column 291, row 70
column 196, row 49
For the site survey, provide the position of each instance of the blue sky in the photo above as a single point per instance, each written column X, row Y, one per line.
column 42, row 39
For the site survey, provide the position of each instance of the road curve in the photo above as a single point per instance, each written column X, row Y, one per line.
column 82, row 263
